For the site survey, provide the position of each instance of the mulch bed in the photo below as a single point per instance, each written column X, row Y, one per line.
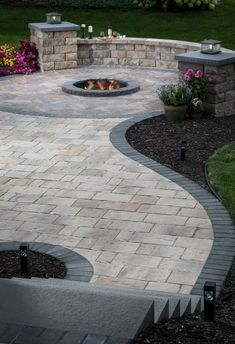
column 161, row 140
column 40, row 265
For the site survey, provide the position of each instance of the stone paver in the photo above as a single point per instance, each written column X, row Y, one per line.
column 63, row 182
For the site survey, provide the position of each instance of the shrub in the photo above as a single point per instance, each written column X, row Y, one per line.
column 177, row 4
column 18, row 60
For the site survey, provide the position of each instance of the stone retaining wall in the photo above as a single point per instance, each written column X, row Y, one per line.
column 132, row 52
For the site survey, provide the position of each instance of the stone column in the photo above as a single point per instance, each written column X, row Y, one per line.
column 56, row 44
column 220, row 69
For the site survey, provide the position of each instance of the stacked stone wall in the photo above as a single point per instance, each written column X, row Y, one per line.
column 57, row 50
column 131, row 52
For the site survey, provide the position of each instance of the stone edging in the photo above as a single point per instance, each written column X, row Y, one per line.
column 222, row 253
column 78, row 267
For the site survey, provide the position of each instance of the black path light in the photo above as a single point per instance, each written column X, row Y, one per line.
column 209, row 301
column 183, row 150
column 24, row 266
column 83, row 26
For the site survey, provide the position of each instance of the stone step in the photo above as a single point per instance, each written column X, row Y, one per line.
column 71, row 306
column 178, row 304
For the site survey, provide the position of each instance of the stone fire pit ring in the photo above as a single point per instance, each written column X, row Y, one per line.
column 76, row 88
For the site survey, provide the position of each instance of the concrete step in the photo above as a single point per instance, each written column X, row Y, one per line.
column 71, row 306
column 166, row 305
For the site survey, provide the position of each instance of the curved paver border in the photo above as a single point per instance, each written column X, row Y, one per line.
column 78, row 267
column 222, row 253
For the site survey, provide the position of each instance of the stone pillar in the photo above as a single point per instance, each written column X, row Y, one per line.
column 220, row 69
column 56, row 44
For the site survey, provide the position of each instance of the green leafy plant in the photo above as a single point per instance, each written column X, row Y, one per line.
column 177, row 4
column 179, row 94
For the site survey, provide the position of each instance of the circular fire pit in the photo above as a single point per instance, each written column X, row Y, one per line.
column 107, row 87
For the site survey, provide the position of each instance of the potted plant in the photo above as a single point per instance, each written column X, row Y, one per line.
column 196, row 108
column 176, row 99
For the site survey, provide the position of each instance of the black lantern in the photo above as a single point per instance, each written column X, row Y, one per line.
column 210, row 46
column 209, row 301
column 53, row 18
column 183, row 150
column 24, row 258
column 83, row 27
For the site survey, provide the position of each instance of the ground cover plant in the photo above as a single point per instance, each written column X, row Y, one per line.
column 189, row 25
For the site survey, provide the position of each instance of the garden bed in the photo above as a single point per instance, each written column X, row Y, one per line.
column 40, row 265
column 161, row 140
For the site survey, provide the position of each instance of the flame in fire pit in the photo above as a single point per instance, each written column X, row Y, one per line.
column 101, row 84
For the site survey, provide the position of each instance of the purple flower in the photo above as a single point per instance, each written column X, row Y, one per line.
column 186, row 77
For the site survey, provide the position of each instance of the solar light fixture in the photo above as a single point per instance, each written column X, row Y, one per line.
column 210, row 46
column 183, row 150
column 24, row 258
column 110, row 31
column 53, row 18
column 90, row 31
column 209, row 301
column 83, row 26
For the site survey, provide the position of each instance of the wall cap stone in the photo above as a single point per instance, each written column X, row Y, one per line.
column 44, row 27
column 224, row 58
column 136, row 40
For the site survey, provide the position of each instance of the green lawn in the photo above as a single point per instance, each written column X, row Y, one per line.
column 221, row 172
column 188, row 26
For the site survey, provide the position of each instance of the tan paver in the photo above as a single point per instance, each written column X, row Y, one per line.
column 62, row 182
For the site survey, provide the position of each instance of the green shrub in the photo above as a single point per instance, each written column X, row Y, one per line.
column 177, row 4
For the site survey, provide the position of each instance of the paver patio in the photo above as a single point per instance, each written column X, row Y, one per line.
column 63, row 182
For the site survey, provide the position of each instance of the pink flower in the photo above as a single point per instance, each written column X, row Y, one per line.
column 198, row 74
column 186, row 77
column 190, row 71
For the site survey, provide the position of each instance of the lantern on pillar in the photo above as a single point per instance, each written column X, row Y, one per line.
column 53, row 18
column 210, row 46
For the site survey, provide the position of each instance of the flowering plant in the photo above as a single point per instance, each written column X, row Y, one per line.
column 18, row 60
column 197, row 105
column 176, row 95
column 197, row 82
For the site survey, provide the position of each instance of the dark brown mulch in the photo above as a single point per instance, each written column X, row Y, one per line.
column 40, row 265
column 193, row 329
column 161, row 140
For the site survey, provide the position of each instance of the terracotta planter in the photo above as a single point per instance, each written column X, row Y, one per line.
column 175, row 113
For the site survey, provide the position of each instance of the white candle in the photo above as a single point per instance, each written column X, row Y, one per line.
column 54, row 18
column 83, row 26
column 210, row 46
column 90, row 29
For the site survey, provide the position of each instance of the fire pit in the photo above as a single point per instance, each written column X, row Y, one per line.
column 107, row 87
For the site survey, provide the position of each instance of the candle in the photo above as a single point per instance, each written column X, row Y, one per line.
column 210, row 46
column 83, row 26
column 90, row 28
column 54, row 18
